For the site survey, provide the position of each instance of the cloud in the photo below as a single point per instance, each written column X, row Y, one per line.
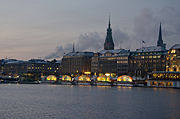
column 92, row 41
column 145, row 27
column 60, row 51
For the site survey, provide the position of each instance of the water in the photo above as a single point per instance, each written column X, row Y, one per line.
column 87, row 102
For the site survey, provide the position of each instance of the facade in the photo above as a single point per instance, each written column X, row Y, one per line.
column 33, row 66
column 173, row 59
column 110, row 61
column 77, row 62
column 146, row 60
column 164, row 79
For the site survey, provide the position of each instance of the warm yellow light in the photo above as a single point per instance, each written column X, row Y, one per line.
column 125, row 78
column 103, row 78
column 84, row 78
column 51, row 78
column 66, row 78
column 87, row 72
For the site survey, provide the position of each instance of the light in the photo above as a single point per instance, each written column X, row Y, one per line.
column 51, row 78
column 107, row 74
column 66, row 78
column 84, row 78
column 87, row 73
column 125, row 78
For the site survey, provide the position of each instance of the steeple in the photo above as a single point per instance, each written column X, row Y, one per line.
column 109, row 44
column 160, row 41
column 73, row 48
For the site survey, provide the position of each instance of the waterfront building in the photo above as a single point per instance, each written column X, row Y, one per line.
column 164, row 79
column 37, row 67
column 77, row 62
column 173, row 58
column 147, row 59
column 111, row 61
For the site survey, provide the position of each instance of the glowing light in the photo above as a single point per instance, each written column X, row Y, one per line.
column 103, row 78
column 66, row 78
column 51, row 78
column 107, row 74
column 125, row 78
column 84, row 78
column 87, row 72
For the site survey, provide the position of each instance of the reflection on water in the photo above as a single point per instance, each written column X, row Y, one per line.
column 87, row 102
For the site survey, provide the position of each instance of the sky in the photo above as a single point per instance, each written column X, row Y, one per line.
column 48, row 28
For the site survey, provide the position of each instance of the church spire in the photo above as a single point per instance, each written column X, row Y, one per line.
column 160, row 40
column 109, row 44
column 73, row 48
column 109, row 22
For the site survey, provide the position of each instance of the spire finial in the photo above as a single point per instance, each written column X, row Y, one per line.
column 109, row 20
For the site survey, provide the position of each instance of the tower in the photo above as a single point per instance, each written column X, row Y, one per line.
column 73, row 48
column 109, row 44
column 160, row 41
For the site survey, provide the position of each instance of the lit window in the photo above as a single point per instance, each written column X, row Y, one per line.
column 173, row 51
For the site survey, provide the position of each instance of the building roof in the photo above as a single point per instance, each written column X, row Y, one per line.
column 79, row 54
column 176, row 46
column 37, row 61
column 116, row 51
column 11, row 61
column 150, row 49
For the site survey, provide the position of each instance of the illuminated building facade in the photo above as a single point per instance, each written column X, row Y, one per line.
column 111, row 61
column 164, row 79
column 77, row 62
column 33, row 66
column 144, row 61
column 173, row 59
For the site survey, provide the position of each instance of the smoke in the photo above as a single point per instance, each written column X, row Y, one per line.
column 60, row 51
column 145, row 28
column 120, row 38
column 92, row 41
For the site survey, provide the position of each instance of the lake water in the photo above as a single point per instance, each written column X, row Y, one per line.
column 87, row 102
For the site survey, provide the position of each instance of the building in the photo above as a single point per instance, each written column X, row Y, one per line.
column 111, row 61
column 38, row 67
column 77, row 62
column 147, row 59
column 164, row 79
column 173, row 58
